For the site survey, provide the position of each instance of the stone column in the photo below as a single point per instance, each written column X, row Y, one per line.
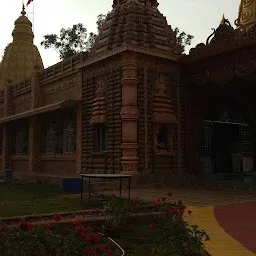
column 78, row 139
column 33, row 143
column 6, row 134
column 129, row 115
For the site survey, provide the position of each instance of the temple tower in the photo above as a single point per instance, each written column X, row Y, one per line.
column 21, row 57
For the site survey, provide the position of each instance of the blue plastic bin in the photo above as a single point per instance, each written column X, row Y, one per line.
column 71, row 185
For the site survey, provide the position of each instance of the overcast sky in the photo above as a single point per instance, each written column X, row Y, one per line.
column 196, row 17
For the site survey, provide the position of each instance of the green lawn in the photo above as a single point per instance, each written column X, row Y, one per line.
column 28, row 199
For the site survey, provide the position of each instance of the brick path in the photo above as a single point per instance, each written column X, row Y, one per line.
column 237, row 237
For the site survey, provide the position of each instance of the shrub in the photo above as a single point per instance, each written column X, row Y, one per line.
column 42, row 240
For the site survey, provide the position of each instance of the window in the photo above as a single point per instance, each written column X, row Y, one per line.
column 20, row 141
column 69, row 137
column 101, row 137
column 163, row 139
column 51, row 139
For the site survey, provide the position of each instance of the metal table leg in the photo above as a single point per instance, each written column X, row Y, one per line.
column 89, row 192
column 82, row 183
column 120, row 187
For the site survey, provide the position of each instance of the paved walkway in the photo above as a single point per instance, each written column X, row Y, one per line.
column 228, row 224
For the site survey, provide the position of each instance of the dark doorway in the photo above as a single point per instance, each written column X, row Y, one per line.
column 224, row 136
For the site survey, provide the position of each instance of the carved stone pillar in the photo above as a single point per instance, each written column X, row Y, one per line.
column 33, row 144
column 6, row 133
column 33, row 138
column 129, row 115
column 78, row 138
column 6, row 148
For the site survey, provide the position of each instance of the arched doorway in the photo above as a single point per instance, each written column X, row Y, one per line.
column 226, row 145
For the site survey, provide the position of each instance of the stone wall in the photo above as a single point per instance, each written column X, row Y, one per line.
column 102, row 162
column 160, row 167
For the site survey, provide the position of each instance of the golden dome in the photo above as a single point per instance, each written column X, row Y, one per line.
column 247, row 15
column 21, row 57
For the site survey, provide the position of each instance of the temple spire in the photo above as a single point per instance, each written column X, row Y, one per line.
column 247, row 15
column 23, row 12
column 223, row 20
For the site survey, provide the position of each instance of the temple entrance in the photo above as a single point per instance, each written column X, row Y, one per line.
column 222, row 153
column 226, row 143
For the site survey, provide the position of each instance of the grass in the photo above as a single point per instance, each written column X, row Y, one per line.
column 28, row 199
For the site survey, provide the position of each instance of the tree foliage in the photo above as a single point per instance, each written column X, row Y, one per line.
column 74, row 40
column 183, row 38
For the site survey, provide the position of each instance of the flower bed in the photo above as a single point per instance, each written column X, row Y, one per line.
column 163, row 232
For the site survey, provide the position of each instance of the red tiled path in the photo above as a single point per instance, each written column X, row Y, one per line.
column 239, row 221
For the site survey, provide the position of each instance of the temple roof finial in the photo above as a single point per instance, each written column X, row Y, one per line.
column 223, row 20
column 23, row 12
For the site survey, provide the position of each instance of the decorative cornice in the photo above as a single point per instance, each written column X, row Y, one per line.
column 225, row 39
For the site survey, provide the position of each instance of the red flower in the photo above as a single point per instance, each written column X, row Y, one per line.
column 113, row 194
column 182, row 211
column 106, row 246
column 56, row 217
column 48, row 225
column 89, row 249
column 46, row 230
column 158, row 200
column 142, row 238
column 189, row 212
column 94, row 237
column 174, row 210
column 26, row 225
column 132, row 200
column 109, row 253
column 80, row 230
column 77, row 222
column 154, row 203
column 70, row 235
column 164, row 216
column 3, row 229
column 151, row 225
column 88, row 239
column 166, row 210
column 17, row 220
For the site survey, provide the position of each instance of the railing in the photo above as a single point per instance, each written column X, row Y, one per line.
column 62, row 67
column 20, row 88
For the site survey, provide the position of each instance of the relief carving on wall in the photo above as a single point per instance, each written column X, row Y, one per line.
column 63, row 84
column 223, row 69
column 99, row 109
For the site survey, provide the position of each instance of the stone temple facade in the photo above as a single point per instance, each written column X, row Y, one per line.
column 135, row 104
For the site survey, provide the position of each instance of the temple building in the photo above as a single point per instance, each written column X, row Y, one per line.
column 135, row 104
